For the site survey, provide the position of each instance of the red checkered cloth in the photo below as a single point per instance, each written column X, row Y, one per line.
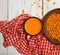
column 14, row 35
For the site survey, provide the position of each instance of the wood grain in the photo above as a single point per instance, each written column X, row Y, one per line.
column 3, row 16
column 10, row 9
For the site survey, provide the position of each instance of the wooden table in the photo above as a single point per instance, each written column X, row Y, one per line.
column 12, row 8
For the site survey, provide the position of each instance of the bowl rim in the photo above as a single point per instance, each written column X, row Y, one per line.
column 44, row 20
column 28, row 19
